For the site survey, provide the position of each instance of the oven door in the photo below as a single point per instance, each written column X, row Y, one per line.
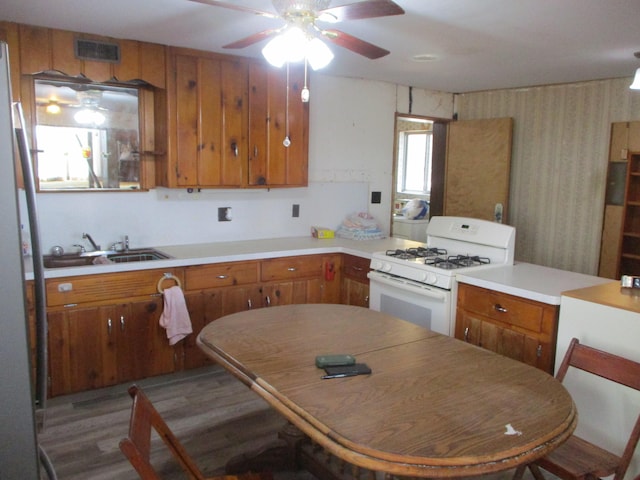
column 424, row 305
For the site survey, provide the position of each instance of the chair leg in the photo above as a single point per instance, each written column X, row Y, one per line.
column 519, row 472
column 538, row 475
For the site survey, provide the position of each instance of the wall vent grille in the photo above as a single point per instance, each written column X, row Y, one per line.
column 94, row 50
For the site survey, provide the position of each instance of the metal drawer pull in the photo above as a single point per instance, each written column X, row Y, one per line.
column 466, row 334
column 222, row 277
column 292, row 269
column 109, row 326
column 357, row 269
column 122, row 323
column 268, row 300
column 249, row 304
column 234, row 149
column 539, row 351
column 499, row 308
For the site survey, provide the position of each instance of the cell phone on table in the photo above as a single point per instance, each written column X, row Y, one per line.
column 347, row 371
column 334, row 360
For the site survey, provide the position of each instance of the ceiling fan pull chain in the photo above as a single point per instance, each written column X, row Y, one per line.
column 286, row 142
column 304, row 94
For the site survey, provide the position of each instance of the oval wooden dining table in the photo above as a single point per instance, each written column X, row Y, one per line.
column 433, row 406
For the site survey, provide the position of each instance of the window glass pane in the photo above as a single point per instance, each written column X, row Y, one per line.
column 415, row 175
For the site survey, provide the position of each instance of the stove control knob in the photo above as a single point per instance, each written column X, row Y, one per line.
column 430, row 278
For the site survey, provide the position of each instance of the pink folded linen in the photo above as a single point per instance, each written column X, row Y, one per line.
column 175, row 317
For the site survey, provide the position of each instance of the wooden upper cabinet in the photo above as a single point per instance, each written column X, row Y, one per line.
column 44, row 49
column 227, row 120
column 275, row 113
column 207, row 120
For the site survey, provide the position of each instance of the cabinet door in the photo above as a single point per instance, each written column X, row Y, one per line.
column 204, row 307
column 355, row 293
column 276, row 112
column 77, row 344
column 208, row 101
column 147, row 343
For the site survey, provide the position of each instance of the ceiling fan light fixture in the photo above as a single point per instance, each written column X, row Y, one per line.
column 87, row 116
column 289, row 46
column 53, row 107
column 636, row 81
column 318, row 54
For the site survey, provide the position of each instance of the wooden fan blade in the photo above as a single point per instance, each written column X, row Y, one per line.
column 366, row 9
column 251, row 39
column 354, row 44
column 239, row 8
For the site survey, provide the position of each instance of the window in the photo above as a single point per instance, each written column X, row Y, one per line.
column 414, row 162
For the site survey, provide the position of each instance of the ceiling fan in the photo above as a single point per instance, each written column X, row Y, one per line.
column 305, row 14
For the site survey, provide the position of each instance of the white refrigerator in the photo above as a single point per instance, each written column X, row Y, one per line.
column 20, row 454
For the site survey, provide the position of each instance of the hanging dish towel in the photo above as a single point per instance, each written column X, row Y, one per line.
column 175, row 317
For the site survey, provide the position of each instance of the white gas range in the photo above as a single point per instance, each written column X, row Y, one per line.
column 419, row 285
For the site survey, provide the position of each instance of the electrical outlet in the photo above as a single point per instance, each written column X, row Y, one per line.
column 295, row 211
column 376, row 197
column 224, row 214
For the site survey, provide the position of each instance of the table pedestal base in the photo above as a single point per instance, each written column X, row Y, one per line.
column 293, row 451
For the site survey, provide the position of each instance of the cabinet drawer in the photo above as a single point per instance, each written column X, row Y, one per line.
column 502, row 307
column 108, row 286
column 356, row 267
column 291, row 267
column 221, row 275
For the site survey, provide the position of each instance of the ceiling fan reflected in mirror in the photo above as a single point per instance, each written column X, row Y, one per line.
column 301, row 38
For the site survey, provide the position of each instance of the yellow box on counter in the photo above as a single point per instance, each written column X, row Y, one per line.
column 321, row 232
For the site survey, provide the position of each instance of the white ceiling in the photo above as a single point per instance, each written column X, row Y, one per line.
column 475, row 44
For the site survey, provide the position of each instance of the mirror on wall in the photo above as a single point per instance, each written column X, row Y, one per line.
column 86, row 135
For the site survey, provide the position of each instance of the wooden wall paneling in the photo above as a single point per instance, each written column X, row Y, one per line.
column 129, row 66
column 35, row 49
column 10, row 34
column 152, row 58
column 186, row 114
column 63, row 53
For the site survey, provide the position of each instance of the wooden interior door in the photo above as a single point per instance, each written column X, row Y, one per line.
column 478, row 168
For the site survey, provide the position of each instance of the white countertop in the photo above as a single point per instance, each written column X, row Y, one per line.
column 535, row 282
column 217, row 252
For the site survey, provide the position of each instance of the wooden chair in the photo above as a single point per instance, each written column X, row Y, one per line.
column 137, row 446
column 576, row 458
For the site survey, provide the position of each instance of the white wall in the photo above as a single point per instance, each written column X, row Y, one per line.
column 350, row 155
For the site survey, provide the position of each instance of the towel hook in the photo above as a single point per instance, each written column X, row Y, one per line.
column 168, row 276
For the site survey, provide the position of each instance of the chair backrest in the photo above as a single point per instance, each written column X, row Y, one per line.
column 137, row 446
column 611, row 367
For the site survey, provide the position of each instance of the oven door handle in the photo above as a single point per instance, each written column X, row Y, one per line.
column 407, row 285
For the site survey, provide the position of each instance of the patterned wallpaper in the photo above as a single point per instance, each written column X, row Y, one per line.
column 559, row 164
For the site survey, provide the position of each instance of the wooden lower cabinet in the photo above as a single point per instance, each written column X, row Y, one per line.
column 355, row 283
column 522, row 329
column 99, row 337
column 99, row 346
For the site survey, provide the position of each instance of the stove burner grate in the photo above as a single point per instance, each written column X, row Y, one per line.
column 457, row 261
column 416, row 252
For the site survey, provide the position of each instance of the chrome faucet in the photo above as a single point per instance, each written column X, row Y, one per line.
column 88, row 237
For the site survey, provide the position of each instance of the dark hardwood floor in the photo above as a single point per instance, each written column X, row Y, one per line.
column 213, row 414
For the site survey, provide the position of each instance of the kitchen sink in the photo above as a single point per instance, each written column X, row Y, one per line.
column 103, row 257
